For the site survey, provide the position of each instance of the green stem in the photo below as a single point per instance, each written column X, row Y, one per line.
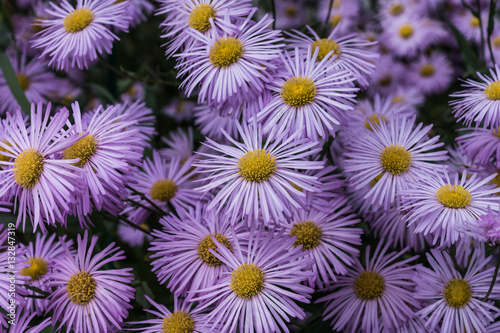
column 453, row 255
column 13, row 83
column 495, row 274
column 481, row 51
column 44, row 294
column 133, row 225
column 325, row 23
column 273, row 8
column 491, row 25
column 144, row 197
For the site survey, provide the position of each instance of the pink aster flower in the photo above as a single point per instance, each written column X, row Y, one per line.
column 261, row 288
column 42, row 185
column 76, row 36
column 480, row 102
column 372, row 294
column 88, row 299
column 453, row 302
column 259, row 177
column 394, row 154
column 486, row 228
column 309, row 97
column 431, row 74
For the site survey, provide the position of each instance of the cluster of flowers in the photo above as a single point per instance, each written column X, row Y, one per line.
column 315, row 177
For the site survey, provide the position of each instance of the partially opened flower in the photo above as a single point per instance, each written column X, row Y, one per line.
column 76, row 36
column 88, row 299
column 485, row 229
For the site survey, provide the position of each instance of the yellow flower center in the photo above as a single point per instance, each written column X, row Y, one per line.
column 298, row 91
column 28, row 168
column 457, row 293
column 496, row 181
column 38, row 268
column 453, row 196
column 163, row 190
column 24, row 81
column 369, row 285
column 83, row 149
column 496, row 42
column 325, row 46
column 78, row 20
column 226, row 51
column 385, row 80
column 336, row 20
column 247, row 280
column 81, row 288
column 406, row 31
column 308, row 234
column 178, row 322
column 257, row 165
column 398, row 99
column 474, row 22
column 427, row 70
column 492, row 91
column 199, row 18
column 374, row 119
column 291, row 11
column 396, row 159
column 207, row 243
column 396, row 9
column 337, row 4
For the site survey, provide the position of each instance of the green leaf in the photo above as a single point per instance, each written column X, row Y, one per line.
column 472, row 62
column 13, row 83
column 103, row 92
column 491, row 18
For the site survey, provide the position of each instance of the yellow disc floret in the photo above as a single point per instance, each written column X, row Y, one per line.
column 374, row 119
column 83, row 149
column 247, row 280
column 257, row 165
column 298, row 91
column 38, row 267
column 81, row 288
column 427, row 70
column 28, row 168
column 325, row 46
column 406, row 31
column 396, row 9
column 453, row 196
column 396, row 159
column 496, row 42
column 492, row 91
column 226, row 51
column 199, row 18
column 178, row 322
column 457, row 293
column 369, row 285
column 308, row 234
column 336, row 19
column 78, row 20
column 207, row 243
column 163, row 190
column 24, row 81
column 474, row 22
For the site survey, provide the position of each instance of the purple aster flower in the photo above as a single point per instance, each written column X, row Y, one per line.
column 480, row 103
column 481, row 146
column 137, row 11
column 495, row 47
column 469, row 24
column 211, row 124
column 290, row 14
column 259, row 177
column 259, row 291
column 224, row 65
column 180, row 109
column 76, row 36
column 36, row 81
column 88, row 299
column 387, row 76
column 207, row 17
column 22, row 322
column 493, row 328
column 186, row 242
column 373, row 294
column 344, row 14
column 485, row 229
column 184, row 318
column 407, row 97
column 163, row 183
column 142, row 116
column 438, row 204
column 132, row 236
column 330, row 186
column 180, row 144
column 328, row 238
column 136, row 92
column 451, row 301
column 395, row 8
column 308, row 96
column 107, row 151
column 42, row 185
column 350, row 51
column 431, row 74
column 394, row 154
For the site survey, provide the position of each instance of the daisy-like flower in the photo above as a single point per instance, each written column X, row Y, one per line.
column 438, row 204
column 481, row 146
column 40, row 256
column 350, row 51
column 180, row 109
column 75, row 36
column 328, row 238
column 259, row 291
column 163, row 183
column 453, row 302
column 485, row 229
column 186, row 242
column 211, row 124
column 290, row 14
column 184, row 318
column 137, row 11
column 388, row 76
column 480, row 102
column 344, row 14
column 257, row 177
column 395, row 8
column 431, row 74
column 373, row 294
column 469, row 24
column 180, row 144
column 142, row 116
column 107, row 151
column 88, row 299
column 308, row 96
column 208, row 17
column 132, row 236
column 33, row 77
column 224, row 65
column 394, row 154
column 42, row 185
column 407, row 97
column 22, row 323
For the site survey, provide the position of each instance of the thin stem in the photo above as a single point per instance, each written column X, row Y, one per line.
column 490, row 29
column 133, row 225
column 481, row 51
column 325, row 23
column 495, row 274
column 273, row 8
column 453, row 255
column 144, row 197
column 13, row 83
column 172, row 209
column 44, row 294
column 138, row 204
